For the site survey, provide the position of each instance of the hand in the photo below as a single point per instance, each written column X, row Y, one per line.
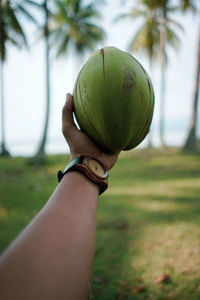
column 79, row 143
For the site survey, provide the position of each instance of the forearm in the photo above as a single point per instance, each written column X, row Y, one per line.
column 53, row 257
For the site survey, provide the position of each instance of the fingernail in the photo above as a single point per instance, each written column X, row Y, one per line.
column 68, row 95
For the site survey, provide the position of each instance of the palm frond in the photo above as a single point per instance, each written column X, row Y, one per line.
column 62, row 48
column 134, row 13
column 121, row 17
column 73, row 22
column 138, row 40
column 147, row 40
column 26, row 13
column 172, row 9
column 61, row 8
column 3, row 39
column 14, row 42
column 187, row 5
column 175, row 24
column 36, row 4
column 172, row 38
column 139, row 13
column 15, row 25
column 88, row 13
column 55, row 37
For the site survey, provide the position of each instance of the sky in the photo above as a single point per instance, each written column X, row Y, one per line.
column 25, row 84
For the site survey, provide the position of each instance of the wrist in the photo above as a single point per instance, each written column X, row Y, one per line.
column 91, row 168
column 80, row 182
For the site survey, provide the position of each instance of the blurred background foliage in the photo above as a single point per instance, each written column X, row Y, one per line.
column 75, row 24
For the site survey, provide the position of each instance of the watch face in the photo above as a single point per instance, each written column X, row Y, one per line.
column 96, row 167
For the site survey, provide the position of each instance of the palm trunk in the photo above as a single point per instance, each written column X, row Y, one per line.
column 41, row 151
column 4, row 151
column 163, row 34
column 191, row 141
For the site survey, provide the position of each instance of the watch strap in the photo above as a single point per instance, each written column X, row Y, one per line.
column 103, row 184
column 77, row 164
column 70, row 166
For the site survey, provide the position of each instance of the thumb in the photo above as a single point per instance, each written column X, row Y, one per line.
column 68, row 125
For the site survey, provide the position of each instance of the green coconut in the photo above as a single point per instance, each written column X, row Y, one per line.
column 113, row 100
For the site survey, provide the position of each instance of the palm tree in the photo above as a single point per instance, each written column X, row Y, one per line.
column 11, row 32
column 168, row 36
column 74, row 26
column 148, row 36
column 40, row 154
column 156, row 32
column 69, row 26
column 191, row 143
column 146, row 39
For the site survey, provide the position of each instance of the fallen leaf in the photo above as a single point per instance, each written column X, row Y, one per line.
column 165, row 278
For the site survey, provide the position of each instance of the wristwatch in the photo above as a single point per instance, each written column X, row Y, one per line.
column 90, row 167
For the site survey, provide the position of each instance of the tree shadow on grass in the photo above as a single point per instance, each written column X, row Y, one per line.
column 132, row 238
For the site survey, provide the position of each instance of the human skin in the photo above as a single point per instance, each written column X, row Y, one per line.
column 53, row 256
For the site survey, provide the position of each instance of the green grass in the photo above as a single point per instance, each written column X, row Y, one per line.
column 148, row 221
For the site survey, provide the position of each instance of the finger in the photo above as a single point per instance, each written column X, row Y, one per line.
column 68, row 125
column 69, row 105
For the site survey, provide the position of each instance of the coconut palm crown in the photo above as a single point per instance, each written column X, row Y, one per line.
column 10, row 28
column 72, row 25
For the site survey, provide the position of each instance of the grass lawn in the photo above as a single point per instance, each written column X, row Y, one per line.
column 148, row 225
